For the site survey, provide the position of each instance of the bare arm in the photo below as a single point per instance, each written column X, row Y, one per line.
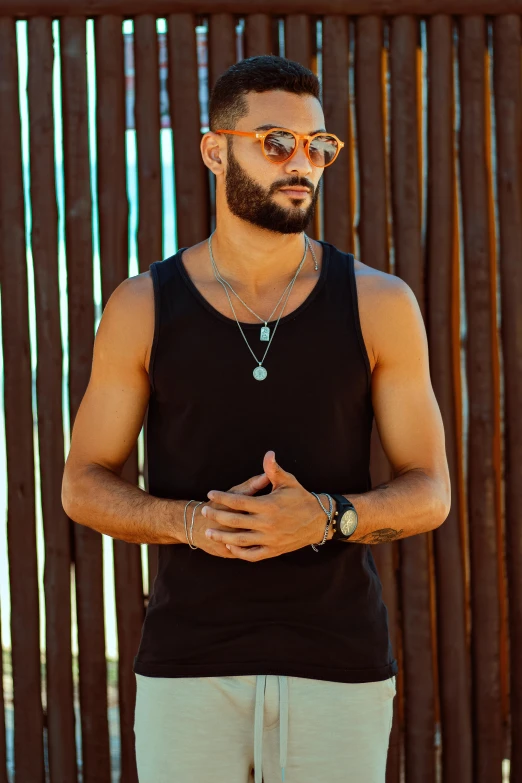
column 107, row 426
column 409, row 423
column 108, row 423
column 411, row 430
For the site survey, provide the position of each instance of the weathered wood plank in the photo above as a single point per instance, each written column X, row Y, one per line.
column 444, row 339
column 259, row 35
column 508, row 110
column 338, row 179
column 57, row 528
column 371, row 144
column 113, row 228
column 192, row 178
column 88, row 542
column 479, row 259
column 415, row 551
column 21, row 516
column 129, row 8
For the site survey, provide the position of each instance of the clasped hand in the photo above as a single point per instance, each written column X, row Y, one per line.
column 268, row 525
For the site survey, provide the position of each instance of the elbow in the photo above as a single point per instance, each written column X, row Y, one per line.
column 69, row 495
column 443, row 504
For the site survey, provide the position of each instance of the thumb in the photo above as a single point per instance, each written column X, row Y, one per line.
column 276, row 475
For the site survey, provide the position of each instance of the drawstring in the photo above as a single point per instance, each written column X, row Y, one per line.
column 258, row 725
column 283, row 723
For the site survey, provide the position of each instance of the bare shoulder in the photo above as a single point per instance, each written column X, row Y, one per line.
column 129, row 315
column 386, row 304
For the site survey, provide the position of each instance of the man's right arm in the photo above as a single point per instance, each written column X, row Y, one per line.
column 107, row 426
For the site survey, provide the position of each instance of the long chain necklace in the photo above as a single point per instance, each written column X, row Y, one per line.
column 265, row 330
column 260, row 372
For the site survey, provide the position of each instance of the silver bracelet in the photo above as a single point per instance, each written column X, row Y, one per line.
column 192, row 523
column 328, row 513
column 185, row 522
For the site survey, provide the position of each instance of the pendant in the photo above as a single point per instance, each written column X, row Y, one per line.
column 265, row 333
column 260, row 373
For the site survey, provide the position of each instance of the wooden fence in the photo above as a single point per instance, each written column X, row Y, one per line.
column 434, row 196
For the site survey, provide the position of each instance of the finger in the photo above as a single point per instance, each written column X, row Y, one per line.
column 239, row 538
column 253, row 554
column 251, row 485
column 236, row 502
column 277, row 476
column 227, row 518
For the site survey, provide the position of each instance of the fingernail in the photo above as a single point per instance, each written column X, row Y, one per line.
column 210, row 495
column 227, row 546
column 208, row 533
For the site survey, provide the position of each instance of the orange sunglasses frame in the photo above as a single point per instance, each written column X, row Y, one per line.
column 306, row 136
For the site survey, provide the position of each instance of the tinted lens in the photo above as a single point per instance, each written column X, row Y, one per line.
column 323, row 150
column 279, row 145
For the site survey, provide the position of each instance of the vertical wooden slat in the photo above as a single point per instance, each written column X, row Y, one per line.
column 339, row 178
column 482, row 501
column 221, row 45
column 191, row 178
column 415, row 551
column 371, row 144
column 21, row 518
column 374, row 251
column 147, row 114
column 259, row 35
column 88, row 543
column 372, row 230
column 298, row 39
column 44, row 240
column 113, row 222
column 3, row 748
column 508, row 112
column 443, row 335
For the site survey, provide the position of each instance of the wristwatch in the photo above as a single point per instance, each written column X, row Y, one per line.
column 345, row 519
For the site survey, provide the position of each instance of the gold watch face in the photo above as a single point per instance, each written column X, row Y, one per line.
column 348, row 522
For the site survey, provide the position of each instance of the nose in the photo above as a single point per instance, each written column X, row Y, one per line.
column 299, row 162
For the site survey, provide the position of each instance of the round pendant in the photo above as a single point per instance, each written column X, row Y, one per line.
column 260, row 373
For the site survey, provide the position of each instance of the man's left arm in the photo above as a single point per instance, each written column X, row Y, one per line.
column 410, row 427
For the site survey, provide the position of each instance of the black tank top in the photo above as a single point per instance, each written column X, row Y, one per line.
column 209, row 423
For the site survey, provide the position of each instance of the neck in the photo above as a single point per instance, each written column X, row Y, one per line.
column 259, row 257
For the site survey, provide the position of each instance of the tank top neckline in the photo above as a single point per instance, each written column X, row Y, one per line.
column 244, row 325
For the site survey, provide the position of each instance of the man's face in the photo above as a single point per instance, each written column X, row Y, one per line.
column 253, row 184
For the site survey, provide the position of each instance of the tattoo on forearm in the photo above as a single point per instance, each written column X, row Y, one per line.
column 380, row 536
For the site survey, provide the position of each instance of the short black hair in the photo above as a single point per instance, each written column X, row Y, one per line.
column 256, row 74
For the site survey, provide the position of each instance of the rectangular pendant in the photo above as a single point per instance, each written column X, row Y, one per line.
column 265, row 333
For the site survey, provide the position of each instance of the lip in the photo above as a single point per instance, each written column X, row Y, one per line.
column 295, row 192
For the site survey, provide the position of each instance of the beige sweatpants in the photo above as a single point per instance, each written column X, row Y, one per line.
column 261, row 729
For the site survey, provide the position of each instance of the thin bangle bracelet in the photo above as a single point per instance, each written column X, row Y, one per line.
column 185, row 523
column 192, row 523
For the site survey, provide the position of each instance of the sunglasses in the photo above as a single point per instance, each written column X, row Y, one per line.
column 280, row 145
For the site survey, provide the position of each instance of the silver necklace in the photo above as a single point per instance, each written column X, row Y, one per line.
column 265, row 330
column 260, row 372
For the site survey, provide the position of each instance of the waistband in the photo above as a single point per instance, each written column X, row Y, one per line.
column 258, row 725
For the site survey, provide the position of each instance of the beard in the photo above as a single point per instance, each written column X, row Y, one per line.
column 251, row 202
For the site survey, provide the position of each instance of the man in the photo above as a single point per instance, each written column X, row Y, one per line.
column 263, row 358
